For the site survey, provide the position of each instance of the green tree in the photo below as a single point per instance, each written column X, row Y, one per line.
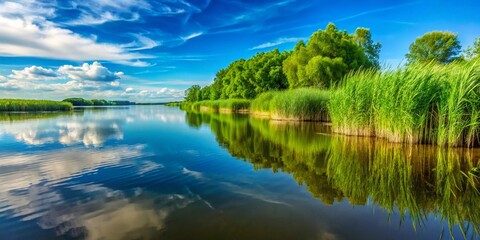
column 442, row 47
column 78, row 101
column 217, row 86
column 193, row 94
column 363, row 37
column 205, row 93
column 473, row 52
column 328, row 55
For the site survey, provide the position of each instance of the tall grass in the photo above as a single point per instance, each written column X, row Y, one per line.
column 303, row 104
column 21, row 105
column 225, row 105
column 420, row 103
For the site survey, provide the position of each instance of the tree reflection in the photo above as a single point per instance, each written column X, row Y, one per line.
column 417, row 181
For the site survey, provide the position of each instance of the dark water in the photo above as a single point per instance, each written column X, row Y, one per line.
column 152, row 172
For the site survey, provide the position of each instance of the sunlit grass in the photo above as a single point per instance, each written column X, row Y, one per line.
column 225, row 105
column 429, row 103
column 21, row 105
column 303, row 104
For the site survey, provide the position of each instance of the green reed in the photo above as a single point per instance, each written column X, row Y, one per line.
column 303, row 104
column 420, row 103
column 22, row 105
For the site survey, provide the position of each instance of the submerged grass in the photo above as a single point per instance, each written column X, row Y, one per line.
column 428, row 103
column 303, row 104
column 21, row 105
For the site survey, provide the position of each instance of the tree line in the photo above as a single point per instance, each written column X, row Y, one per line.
column 322, row 62
column 96, row 102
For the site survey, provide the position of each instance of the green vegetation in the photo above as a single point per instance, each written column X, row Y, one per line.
column 96, row 102
column 22, row 105
column 244, row 79
column 434, row 99
column 473, row 51
column 421, row 103
column 305, row 104
column 328, row 55
column 228, row 105
column 415, row 181
column 23, row 116
column 442, row 47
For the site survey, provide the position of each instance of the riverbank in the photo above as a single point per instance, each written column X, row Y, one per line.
column 22, row 105
column 417, row 104
column 304, row 104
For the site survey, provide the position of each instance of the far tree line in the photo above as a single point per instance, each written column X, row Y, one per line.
column 322, row 62
column 96, row 102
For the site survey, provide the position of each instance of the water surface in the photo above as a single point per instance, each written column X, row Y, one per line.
column 153, row 172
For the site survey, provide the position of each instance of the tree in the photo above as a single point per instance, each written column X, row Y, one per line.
column 442, row 47
column 363, row 38
column 473, row 52
column 328, row 55
column 193, row 94
column 205, row 93
column 248, row 78
column 78, row 101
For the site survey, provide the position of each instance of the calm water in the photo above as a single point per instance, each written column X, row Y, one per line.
column 153, row 172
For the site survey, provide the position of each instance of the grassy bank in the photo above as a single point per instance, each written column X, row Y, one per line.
column 21, row 105
column 436, row 104
column 304, row 104
column 227, row 105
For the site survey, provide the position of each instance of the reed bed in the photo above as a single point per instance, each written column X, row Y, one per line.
column 303, row 104
column 21, row 105
column 224, row 105
column 420, row 103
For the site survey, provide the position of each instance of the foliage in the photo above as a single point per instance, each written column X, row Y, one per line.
column 305, row 104
column 248, row 78
column 421, row 103
column 78, row 101
column 363, row 37
column 100, row 102
column 22, row 105
column 193, row 94
column 417, row 182
column 473, row 52
column 328, row 55
column 442, row 47
column 225, row 105
column 96, row 102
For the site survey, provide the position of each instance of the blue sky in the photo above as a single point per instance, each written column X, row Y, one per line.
column 151, row 51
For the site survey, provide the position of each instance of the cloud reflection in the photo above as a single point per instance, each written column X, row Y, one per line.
column 91, row 128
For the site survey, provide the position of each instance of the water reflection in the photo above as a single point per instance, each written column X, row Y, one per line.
column 144, row 173
column 83, row 126
column 416, row 181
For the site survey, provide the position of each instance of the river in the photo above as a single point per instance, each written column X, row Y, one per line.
column 155, row 172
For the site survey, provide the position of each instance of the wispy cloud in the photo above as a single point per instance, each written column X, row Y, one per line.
column 191, row 36
column 277, row 42
column 35, row 36
column 377, row 10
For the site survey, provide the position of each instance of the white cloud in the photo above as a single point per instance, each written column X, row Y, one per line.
column 88, row 80
column 87, row 72
column 34, row 73
column 142, row 43
column 10, row 85
column 28, row 32
column 155, row 93
column 191, row 36
column 94, row 12
column 277, row 42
